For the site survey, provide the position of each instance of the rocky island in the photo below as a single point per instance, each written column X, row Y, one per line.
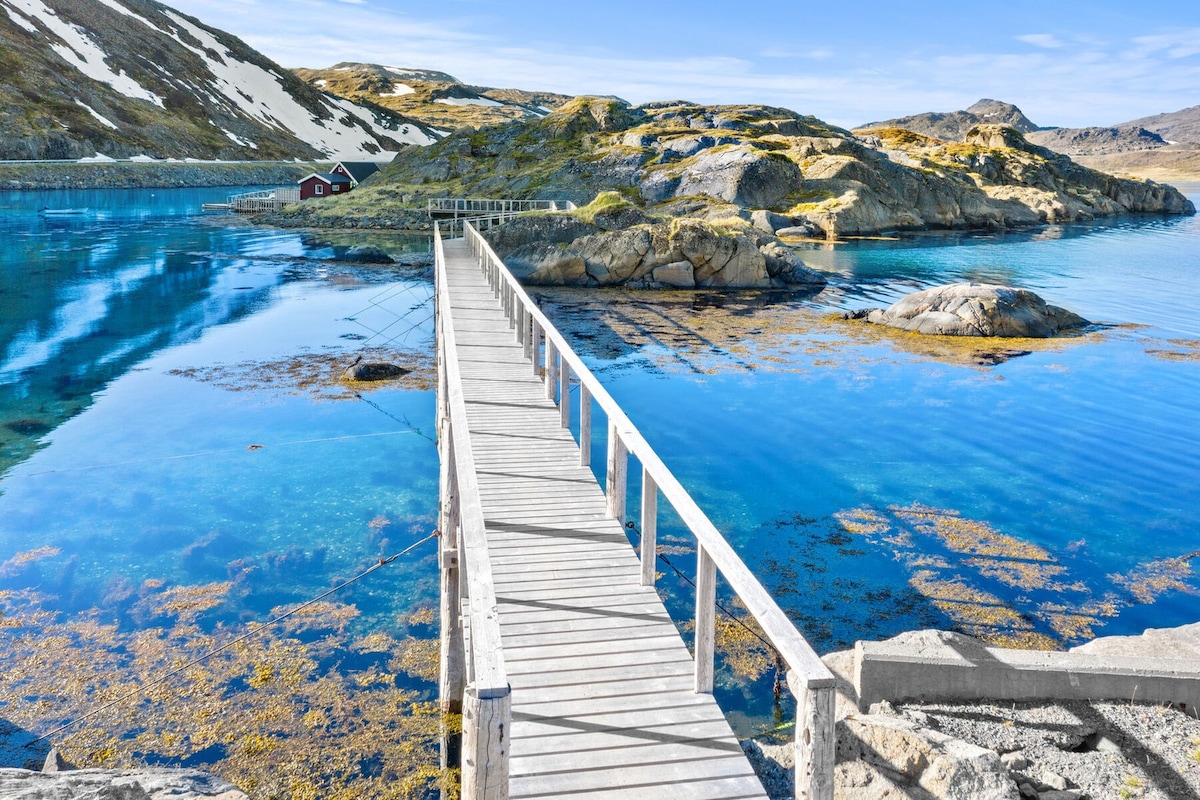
column 680, row 195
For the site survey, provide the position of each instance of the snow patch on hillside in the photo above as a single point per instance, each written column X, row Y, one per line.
column 467, row 101
column 255, row 92
column 399, row 90
column 103, row 120
column 19, row 19
column 78, row 49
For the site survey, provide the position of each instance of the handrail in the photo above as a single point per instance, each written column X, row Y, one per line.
column 484, row 205
column 487, row 702
column 809, row 678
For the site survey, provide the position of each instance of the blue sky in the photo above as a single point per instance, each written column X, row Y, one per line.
column 1064, row 63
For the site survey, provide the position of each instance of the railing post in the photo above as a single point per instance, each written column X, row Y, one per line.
column 585, row 425
column 618, row 461
column 706, row 607
column 452, row 671
column 521, row 322
column 487, row 723
column 564, row 393
column 649, row 527
column 551, row 368
column 535, row 351
column 815, row 739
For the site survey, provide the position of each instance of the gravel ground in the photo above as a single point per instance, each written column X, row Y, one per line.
column 1107, row 750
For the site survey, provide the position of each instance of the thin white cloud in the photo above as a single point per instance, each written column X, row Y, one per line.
column 1046, row 40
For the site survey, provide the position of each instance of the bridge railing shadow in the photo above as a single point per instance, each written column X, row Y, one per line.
column 553, row 358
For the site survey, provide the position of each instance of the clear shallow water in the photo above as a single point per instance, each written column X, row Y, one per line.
column 876, row 482
column 178, row 456
column 167, row 414
column 135, row 471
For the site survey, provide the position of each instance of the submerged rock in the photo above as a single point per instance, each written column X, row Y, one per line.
column 373, row 371
column 975, row 309
column 365, row 254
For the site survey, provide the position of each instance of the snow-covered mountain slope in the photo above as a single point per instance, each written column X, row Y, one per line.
column 135, row 77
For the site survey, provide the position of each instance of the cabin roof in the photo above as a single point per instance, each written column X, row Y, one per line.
column 326, row 177
column 359, row 170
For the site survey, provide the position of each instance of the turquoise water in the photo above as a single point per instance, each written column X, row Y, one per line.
column 169, row 413
column 151, row 428
column 841, row 459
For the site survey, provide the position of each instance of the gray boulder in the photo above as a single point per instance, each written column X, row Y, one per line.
column 547, row 265
column 90, row 784
column 942, row 766
column 976, row 309
column 742, row 175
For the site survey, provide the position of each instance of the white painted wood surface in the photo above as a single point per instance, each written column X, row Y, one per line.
column 603, row 705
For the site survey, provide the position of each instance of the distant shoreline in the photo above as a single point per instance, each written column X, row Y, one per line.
column 22, row 176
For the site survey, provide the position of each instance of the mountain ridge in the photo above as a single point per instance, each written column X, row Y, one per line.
column 436, row 99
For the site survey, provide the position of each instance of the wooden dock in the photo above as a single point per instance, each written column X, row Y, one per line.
column 571, row 677
column 603, row 702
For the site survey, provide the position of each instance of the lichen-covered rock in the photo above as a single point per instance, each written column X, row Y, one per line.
column 684, row 253
column 92, row 784
column 976, row 309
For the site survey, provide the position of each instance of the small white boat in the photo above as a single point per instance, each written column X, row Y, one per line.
column 62, row 212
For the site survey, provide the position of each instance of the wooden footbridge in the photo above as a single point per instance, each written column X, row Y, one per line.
column 570, row 675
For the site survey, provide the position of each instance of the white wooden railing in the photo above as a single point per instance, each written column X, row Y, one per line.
column 485, row 206
column 472, row 677
column 809, row 679
column 265, row 199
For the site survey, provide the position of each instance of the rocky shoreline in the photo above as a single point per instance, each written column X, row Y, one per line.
column 148, row 175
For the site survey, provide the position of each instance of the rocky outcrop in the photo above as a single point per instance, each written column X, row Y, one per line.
column 1097, row 141
column 92, row 784
column 975, row 309
column 684, row 254
column 953, row 125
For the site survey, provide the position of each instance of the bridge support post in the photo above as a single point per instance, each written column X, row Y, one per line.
column 706, row 620
column 815, row 739
column 551, row 368
column 486, row 722
column 649, row 527
column 618, row 463
column 564, row 394
column 452, row 671
column 585, row 425
column 535, row 348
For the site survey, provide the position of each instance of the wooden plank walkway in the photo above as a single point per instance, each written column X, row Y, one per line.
column 602, row 684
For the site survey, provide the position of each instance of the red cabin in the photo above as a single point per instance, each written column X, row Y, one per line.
column 323, row 185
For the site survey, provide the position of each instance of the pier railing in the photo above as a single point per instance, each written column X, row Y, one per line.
column 485, row 206
column 809, row 679
column 265, row 199
column 472, row 660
